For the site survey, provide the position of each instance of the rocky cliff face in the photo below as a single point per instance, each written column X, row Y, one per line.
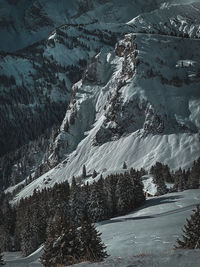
column 138, row 97
column 35, row 84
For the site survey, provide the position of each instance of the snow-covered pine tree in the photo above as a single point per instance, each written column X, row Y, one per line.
column 70, row 245
column 59, row 198
column 1, row 259
column 62, row 246
column 97, row 203
column 125, row 194
column 78, row 201
column 191, row 236
column 92, row 248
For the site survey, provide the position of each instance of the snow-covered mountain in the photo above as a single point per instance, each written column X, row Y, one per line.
column 36, row 81
column 126, row 109
column 97, row 85
column 24, row 22
column 182, row 19
column 137, row 98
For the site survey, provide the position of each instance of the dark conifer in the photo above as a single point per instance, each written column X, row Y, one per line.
column 92, row 247
column 194, row 177
column 124, row 165
column 179, row 180
column 139, row 196
column 62, row 244
column 124, row 194
column 94, row 174
column 159, row 178
column 84, row 174
column 1, row 259
column 110, row 186
column 78, row 202
column 97, row 203
column 191, row 237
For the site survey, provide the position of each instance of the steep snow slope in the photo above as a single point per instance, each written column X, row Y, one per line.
column 142, row 238
column 35, row 88
column 127, row 109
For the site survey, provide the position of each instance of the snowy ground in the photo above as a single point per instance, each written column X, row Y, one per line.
column 142, row 238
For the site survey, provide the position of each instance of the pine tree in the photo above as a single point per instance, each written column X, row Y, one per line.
column 110, row 186
column 194, row 178
column 92, row 247
column 125, row 194
column 97, row 203
column 84, row 174
column 191, row 237
column 124, row 165
column 1, row 259
column 94, row 174
column 62, row 244
column 179, row 180
column 139, row 196
column 26, row 234
column 78, row 202
column 159, row 178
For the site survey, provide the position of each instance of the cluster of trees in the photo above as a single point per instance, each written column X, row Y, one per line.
column 7, row 81
column 115, row 195
column 67, row 244
column 161, row 174
column 182, row 179
column 16, row 166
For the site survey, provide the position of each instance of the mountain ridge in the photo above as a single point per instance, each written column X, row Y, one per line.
column 143, row 94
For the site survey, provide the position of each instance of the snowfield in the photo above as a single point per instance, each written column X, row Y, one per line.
column 145, row 237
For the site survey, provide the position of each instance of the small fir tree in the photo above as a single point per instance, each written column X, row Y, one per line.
column 191, row 237
column 124, row 165
column 94, row 174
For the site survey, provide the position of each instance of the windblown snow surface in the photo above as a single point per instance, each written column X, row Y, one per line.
column 145, row 237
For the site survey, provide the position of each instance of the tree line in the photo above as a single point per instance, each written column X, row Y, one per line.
column 182, row 179
column 23, row 227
